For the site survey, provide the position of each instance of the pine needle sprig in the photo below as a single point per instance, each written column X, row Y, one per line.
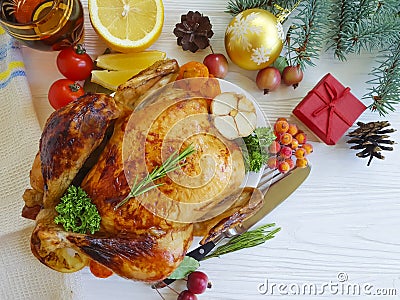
column 172, row 163
column 247, row 239
column 388, row 6
column 376, row 32
column 365, row 9
column 287, row 5
column 341, row 22
column 305, row 38
column 235, row 7
column 385, row 92
column 362, row 25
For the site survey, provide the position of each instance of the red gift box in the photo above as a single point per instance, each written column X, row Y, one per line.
column 329, row 109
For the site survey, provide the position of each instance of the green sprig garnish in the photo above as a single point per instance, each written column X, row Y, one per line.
column 171, row 164
column 256, row 152
column 248, row 239
column 77, row 213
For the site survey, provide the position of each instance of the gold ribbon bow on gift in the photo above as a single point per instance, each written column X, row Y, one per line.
column 330, row 105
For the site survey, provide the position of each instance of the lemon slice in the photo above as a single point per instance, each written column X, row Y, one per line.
column 127, row 61
column 129, row 25
column 112, row 79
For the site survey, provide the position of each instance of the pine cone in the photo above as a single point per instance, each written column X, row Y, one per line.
column 371, row 137
column 194, row 31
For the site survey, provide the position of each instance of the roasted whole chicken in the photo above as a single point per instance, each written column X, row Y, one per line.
column 103, row 143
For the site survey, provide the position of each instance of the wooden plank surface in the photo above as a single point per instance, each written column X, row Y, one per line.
column 344, row 218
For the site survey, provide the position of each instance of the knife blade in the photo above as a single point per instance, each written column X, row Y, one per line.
column 275, row 195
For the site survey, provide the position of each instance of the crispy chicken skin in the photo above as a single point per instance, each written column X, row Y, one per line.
column 135, row 89
column 132, row 242
column 146, row 238
column 213, row 172
column 158, row 246
column 70, row 135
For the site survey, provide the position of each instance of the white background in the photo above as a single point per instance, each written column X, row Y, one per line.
column 344, row 218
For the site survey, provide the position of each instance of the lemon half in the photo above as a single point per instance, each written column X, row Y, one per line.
column 128, row 25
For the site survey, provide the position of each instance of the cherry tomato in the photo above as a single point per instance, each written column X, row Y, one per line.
column 74, row 63
column 99, row 270
column 64, row 91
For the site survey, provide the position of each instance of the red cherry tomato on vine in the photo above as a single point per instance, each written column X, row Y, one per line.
column 64, row 91
column 74, row 63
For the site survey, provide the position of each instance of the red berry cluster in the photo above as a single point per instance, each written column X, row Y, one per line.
column 290, row 141
column 197, row 283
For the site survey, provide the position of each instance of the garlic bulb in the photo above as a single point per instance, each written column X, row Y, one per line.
column 234, row 115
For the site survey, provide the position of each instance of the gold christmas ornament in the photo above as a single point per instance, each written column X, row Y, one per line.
column 254, row 39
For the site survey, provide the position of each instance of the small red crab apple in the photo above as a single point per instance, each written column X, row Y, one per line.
column 268, row 79
column 272, row 162
column 286, row 139
column 197, row 282
column 281, row 126
column 274, row 148
column 286, row 152
column 284, row 167
column 186, row 295
column 292, row 75
column 217, row 64
column 301, row 137
column 301, row 162
column 293, row 129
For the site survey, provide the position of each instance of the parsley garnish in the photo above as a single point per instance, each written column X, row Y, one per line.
column 77, row 213
column 256, row 152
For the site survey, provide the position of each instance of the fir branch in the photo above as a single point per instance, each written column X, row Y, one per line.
column 375, row 33
column 363, row 25
column 340, row 23
column 385, row 92
column 306, row 36
column 365, row 9
column 388, row 7
column 235, row 7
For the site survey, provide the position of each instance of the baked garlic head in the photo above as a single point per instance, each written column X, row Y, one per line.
column 234, row 115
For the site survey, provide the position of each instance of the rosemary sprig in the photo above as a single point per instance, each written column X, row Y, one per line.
column 171, row 164
column 248, row 239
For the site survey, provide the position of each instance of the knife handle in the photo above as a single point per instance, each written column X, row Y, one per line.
column 198, row 254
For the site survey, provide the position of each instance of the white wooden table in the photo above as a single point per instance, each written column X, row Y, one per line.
column 343, row 221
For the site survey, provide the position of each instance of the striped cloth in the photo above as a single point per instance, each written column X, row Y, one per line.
column 21, row 275
column 11, row 65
